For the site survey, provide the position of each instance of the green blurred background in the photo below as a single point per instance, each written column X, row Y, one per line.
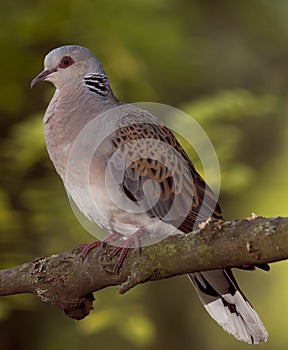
column 223, row 62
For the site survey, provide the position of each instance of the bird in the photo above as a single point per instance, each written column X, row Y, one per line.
column 153, row 188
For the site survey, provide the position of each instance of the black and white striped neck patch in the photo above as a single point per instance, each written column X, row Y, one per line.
column 97, row 82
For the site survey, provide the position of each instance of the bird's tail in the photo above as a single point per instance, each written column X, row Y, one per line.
column 224, row 301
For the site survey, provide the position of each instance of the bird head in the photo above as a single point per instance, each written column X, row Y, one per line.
column 68, row 64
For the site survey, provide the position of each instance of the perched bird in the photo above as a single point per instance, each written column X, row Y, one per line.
column 155, row 187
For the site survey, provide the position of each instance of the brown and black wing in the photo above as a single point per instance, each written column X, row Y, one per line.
column 160, row 177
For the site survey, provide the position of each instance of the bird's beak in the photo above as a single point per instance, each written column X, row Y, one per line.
column 42, row 76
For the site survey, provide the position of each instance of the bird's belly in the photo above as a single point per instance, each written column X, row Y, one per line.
column 116, row 214
column 109, row 208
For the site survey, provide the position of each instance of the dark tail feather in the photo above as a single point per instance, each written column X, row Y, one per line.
column 224, row 301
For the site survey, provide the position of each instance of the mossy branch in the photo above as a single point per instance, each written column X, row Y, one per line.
column 68, row 281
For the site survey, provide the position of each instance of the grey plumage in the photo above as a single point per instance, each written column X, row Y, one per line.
column 159, row 190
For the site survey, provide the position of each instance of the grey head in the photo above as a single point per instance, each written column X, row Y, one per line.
column 72, row 64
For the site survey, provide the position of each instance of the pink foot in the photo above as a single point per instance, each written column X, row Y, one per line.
column 88, row 246
column 124, row 246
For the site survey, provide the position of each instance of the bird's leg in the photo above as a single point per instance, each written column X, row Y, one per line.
column 88, row 246
column 124, row 246
column 111, row 238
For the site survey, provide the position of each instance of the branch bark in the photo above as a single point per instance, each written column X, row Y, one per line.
column 68, row 281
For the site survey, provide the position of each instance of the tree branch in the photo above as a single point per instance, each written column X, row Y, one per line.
column 68, row 281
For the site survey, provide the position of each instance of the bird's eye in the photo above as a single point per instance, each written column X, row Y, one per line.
column 66, row 62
